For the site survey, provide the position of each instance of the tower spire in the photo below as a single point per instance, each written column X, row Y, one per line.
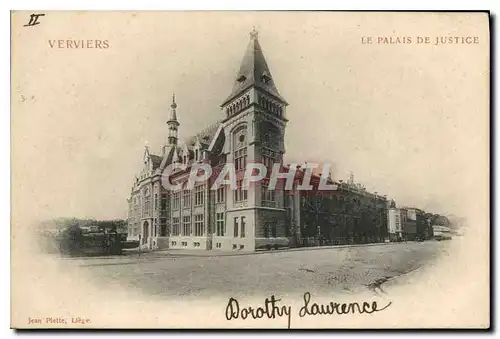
column 173, row 113
column 255, row 72
column 172, row 123
column 254, row 34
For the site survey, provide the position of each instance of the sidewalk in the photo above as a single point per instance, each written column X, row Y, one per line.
column 216, row 253
column 145, row 254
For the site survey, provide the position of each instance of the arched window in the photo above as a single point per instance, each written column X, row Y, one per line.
column 147, row 202
column 239, row 144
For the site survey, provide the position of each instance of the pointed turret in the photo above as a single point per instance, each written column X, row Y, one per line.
column 172, row 123
column 255, row 72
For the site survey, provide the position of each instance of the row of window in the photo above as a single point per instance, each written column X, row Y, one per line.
column 241, row 222
column 187, row 230
column 240, row 195
column 341, row 201
column 270, row 106
column 199, row 198
column 240, row 159
column 239, row 227
column 238, row 106
column 241, row 192
column 199, row 228
column 263, row 101
column 268, row 196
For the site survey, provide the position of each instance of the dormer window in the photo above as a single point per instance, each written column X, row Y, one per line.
column 241, row 78
column 266, row 78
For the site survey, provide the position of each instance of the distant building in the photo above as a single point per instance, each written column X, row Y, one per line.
column 416, row 226
column 348, row 215
column 395, row 224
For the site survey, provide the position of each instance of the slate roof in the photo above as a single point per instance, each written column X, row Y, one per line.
column 156, row 159
column 205, row 136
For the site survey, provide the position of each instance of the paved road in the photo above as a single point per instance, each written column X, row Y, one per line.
column 339, row 270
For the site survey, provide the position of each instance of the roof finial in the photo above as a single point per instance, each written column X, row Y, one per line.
column 254, row 34
column 174, row 105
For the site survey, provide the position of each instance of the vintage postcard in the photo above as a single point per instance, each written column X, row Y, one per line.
column 250, row 170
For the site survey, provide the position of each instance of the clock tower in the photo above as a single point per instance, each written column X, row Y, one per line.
column 254, row 130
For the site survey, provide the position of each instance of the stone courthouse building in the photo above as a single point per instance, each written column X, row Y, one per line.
column 242, row 218
column 252, row 130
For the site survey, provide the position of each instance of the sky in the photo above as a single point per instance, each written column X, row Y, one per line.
column 409, row 120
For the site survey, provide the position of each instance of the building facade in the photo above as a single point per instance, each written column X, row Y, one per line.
column 416, row 225
column 395, row 223
column 253, row 130
column 348, row 214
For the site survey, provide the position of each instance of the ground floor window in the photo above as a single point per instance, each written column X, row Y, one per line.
column 242, row 233
column 186, row 228
column 175, row 226
column 199, row 225
column 220, row 230
column 235, row 227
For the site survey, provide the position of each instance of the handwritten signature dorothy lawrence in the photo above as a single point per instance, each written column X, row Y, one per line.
column 272, row 310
